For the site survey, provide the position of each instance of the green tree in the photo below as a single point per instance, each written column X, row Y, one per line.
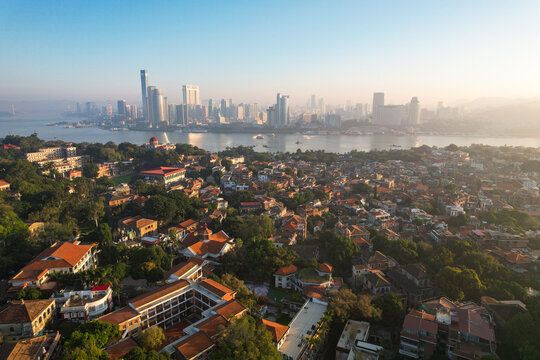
column 340, row 250
column 347, row 305
column 88, row 340
column 151, row 338
column 102, row 234
column 90, row 170
column 161, row 207
column 29, row 293
column 242, row 339
column 459, row 284
column 392, row 309
column 243, row 295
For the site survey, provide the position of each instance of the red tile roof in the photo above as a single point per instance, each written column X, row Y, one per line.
column 286, row 270
column 324, row 267
column 163, row 171
column 211, row 325
column 69, row 252
column 119, row 316
column 158, row 293
column 216, row 288
column 418, row 321
column 194, row 345
column 230, row 308
column 276, row 330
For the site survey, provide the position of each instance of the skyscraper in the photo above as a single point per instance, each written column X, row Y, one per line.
column 157, row 107
column 414, row 112
column 181, row 114
column 121, row 108
column 284, row 112
column 144, row 89
column 150, row 105
column 190, row 95
column 271, row 116
column 378, row 100
column 313, row 103
column 133, row 112
column 165, row 110
column 322, row 107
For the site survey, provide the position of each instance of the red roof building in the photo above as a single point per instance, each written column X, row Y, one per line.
column 62, row 257
column 167, row 175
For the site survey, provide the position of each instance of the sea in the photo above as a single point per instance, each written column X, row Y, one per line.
column 269, row 142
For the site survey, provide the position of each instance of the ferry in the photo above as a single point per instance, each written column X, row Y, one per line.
column 259, row 137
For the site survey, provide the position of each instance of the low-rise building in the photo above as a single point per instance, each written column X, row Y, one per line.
column 84, row 305
column 167, row 175
column 284, row 276
column 138, row 227
column 25, row 318
column 277, row 331
column 44, row 347
column 4, row 185
column 62, row 257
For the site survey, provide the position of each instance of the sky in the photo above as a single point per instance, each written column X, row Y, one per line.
column 250, row 50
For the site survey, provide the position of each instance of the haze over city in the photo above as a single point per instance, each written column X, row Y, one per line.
column 248, row 51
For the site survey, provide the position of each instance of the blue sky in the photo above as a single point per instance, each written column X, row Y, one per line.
column 249, row 50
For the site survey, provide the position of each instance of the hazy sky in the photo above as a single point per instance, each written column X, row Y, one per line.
column 249, row 50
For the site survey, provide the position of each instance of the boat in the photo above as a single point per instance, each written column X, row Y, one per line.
column 259, row 137
column 298, row 142
column 265, row 146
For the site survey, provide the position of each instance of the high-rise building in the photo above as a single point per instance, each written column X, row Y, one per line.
column 224, row 107
column 240, row 112
column 278, row 101
column 252, row 111
column 190, row 94
column 313, row 103
column 181, row 114
column 172, row 114
column 284, row 111
column 165, row 110
column 211, row 107
column 144, row 90
column 108, row 109
column 150, row 104
column 391, row 115
column 378, row 100
column 414, row 112
column 271, row 116
column 121, row 108
column 133, row 112
column 322, row 107
column 158, row 110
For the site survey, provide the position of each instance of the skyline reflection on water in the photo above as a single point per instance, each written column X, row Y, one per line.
column 277, row 143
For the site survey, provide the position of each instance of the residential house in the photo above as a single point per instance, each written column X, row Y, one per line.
column 167, row 175
column 277, row 331
column 25, row 318
column 4, row 185
column 84, row 305
column 138, row 227
column 62, row 257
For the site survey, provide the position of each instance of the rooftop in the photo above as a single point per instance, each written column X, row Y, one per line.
column 277, row 330
column 162, row 292
column 305, row 320
column 194, row 345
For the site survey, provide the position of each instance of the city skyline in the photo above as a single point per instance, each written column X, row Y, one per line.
column 436, row 52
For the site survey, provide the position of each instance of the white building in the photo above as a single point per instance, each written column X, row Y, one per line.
column 84, row 305
column 190, row 94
